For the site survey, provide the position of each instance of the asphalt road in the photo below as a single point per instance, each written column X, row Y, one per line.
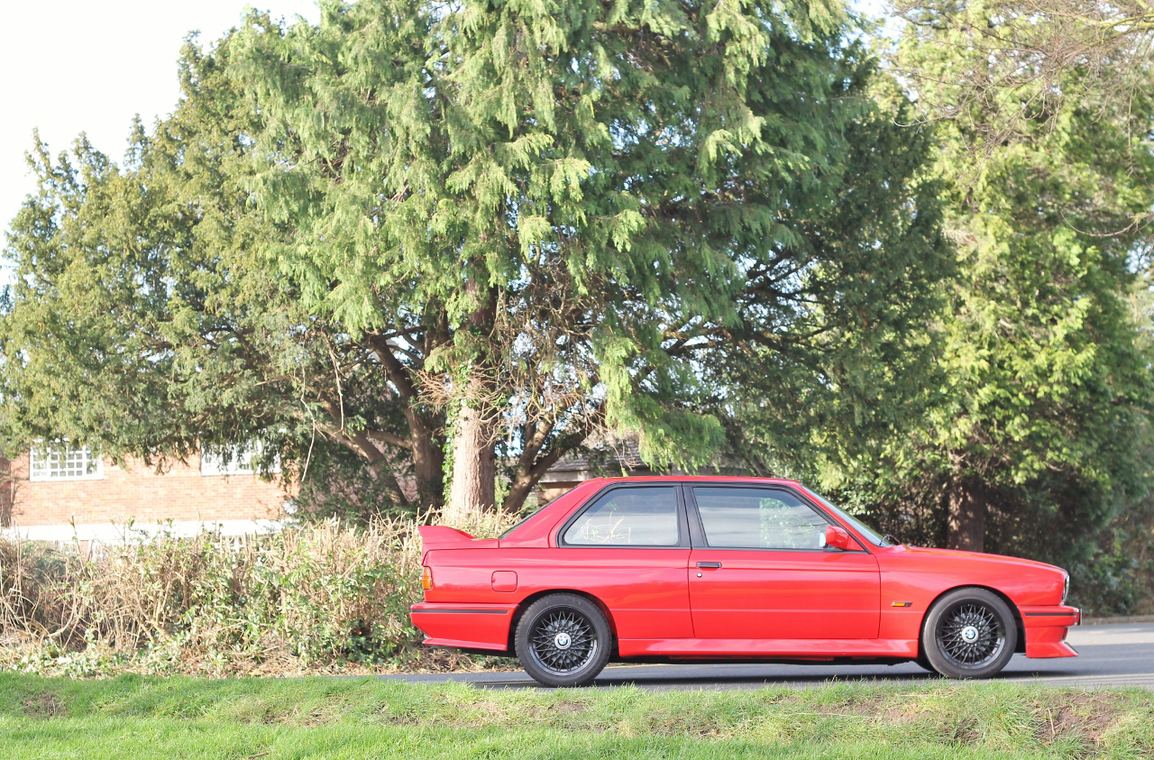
column 1109, row 655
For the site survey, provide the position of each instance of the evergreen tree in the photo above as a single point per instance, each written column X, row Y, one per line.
column 1038, row 431
column 447, row 237
column 1024, row 59
column 546, row 215
column 816, row 403
column 141, row 321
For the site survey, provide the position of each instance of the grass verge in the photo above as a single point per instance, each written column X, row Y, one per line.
column 139, row 717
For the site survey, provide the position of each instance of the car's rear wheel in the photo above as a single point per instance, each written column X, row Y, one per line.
column 563, row 640
column 969, row 633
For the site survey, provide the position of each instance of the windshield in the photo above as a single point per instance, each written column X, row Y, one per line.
column 866, row 532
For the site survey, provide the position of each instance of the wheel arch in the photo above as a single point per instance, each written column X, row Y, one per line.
column 525, row 603
column 1019, row 646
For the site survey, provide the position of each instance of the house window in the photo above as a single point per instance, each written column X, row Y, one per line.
column 61, row 460
column 234, row 460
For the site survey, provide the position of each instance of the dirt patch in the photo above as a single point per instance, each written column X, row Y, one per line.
column 862, row 705
column 46, row 705
column 1086, row 716
column 965, row 732
column 408, row 720
column 296, row 718
column 567, row 707
column 906, row 713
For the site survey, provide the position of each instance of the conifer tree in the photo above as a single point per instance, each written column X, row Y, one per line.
column 1037, row 430
column 545, row 213
column 456, row 238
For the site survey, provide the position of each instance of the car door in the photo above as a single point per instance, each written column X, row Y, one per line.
column 760, row 569
column 629, row 547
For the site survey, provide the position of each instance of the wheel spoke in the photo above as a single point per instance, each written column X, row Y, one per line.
column 563, row 641
column 970, row 635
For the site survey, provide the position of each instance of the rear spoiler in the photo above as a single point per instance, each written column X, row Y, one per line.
column 442, row 537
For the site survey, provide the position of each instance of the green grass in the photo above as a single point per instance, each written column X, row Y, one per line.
column 135, row 717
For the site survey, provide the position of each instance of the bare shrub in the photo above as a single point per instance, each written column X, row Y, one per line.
column 315, row 597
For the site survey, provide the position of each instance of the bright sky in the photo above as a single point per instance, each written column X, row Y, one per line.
column 72, row 66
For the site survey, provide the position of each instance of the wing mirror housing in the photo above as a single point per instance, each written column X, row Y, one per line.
column 837, row 537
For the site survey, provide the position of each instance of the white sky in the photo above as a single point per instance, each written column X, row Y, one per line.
column 72, row 66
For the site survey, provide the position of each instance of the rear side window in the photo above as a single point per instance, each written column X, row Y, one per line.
column 628, row 517
column 754, row 518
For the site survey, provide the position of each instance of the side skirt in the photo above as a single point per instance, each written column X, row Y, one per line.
column 794, row 650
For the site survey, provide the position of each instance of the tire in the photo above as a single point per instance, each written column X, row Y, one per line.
column 969, row 633
column 563, row 640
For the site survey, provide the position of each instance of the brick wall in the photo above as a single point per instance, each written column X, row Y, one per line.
column 135, row 491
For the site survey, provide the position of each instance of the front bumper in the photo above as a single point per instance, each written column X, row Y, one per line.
column 1046, row 628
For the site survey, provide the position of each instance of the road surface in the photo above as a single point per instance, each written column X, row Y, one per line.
column 1109, row 655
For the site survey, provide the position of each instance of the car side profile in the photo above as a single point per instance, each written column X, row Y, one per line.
column 713, row 569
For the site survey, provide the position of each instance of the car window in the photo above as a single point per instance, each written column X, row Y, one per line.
column 755, row 518
column 628, row 517
column 864, row 530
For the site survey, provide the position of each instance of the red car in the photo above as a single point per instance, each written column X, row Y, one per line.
column 711, row 569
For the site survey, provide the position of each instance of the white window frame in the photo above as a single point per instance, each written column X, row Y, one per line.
column 43, row 455
column 242, row 460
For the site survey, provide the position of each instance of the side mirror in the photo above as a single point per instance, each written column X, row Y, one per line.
column 836, row 537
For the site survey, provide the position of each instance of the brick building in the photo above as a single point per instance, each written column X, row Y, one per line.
column 64, row 492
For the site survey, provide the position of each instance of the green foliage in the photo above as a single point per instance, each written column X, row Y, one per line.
column 1039, row 410
column 142, row 322
column 810, row 402
column 558, row 214
column 135, row 322
column 1118, row 579
column 562, row 190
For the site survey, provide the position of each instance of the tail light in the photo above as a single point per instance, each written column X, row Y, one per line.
column 426, row 578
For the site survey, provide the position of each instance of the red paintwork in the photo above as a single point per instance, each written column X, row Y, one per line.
column 761, row 594
column 839, row 538
column 504, row 581
column 796, row 605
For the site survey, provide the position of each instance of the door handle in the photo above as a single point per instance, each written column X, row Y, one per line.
column 709, row 564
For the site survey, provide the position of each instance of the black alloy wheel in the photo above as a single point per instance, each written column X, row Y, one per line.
column 969, row 633
column 563, row 640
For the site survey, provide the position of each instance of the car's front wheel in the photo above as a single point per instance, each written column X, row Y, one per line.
column 563, row 640
column 969, row 633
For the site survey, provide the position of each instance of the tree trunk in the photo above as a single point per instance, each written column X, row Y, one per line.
column 966, row 522
column 428, row 462
column 519, row 490
column 472, row 490
column 7, row 492
column 473, row 487
column 426, row 448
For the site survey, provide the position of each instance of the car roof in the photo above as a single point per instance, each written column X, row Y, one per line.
column 697, row 479
column 536, row 529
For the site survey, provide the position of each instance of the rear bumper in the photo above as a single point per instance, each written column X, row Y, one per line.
column 464, row 626
column 1046, row 629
